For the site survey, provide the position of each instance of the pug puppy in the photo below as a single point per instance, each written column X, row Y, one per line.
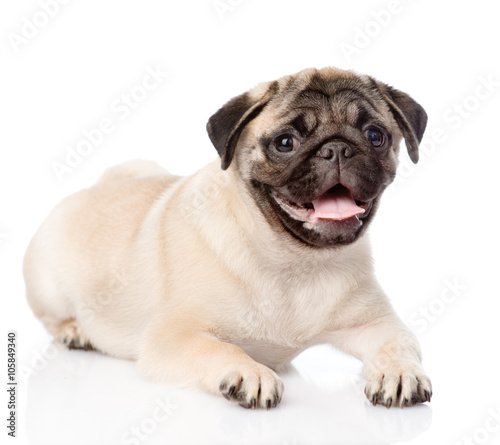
column 221, row 278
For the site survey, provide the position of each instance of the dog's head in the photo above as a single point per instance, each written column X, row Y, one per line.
column 317, row 149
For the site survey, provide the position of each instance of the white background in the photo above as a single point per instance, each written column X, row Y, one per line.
column 435, row 236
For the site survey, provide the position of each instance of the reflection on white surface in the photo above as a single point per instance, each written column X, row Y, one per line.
column 88, row 398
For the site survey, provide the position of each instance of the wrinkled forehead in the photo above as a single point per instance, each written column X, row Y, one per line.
column 307, row 101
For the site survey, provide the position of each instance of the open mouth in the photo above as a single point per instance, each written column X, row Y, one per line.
column 336, row 204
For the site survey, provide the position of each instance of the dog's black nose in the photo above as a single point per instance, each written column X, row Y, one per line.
column 335, row 150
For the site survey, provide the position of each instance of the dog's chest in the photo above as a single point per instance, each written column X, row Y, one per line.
column 290, row 314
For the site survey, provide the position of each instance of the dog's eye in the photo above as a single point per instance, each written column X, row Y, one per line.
column 376, row 137
column 286, row 143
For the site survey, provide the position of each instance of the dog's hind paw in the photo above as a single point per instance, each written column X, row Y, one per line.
column 72, row 336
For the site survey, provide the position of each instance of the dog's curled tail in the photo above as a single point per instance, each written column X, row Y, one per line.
column 132, row 169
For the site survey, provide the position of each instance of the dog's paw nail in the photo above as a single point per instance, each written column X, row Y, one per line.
column 427, row 396
column 402, row 385
column 251, row 389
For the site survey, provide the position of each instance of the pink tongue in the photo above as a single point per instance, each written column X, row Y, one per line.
column 338, row 204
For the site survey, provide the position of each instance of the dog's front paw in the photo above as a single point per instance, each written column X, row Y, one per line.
column 400, row 384
column 252, row 387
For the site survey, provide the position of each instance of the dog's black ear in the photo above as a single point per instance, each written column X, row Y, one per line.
column 410, row 117
column 225, row 126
